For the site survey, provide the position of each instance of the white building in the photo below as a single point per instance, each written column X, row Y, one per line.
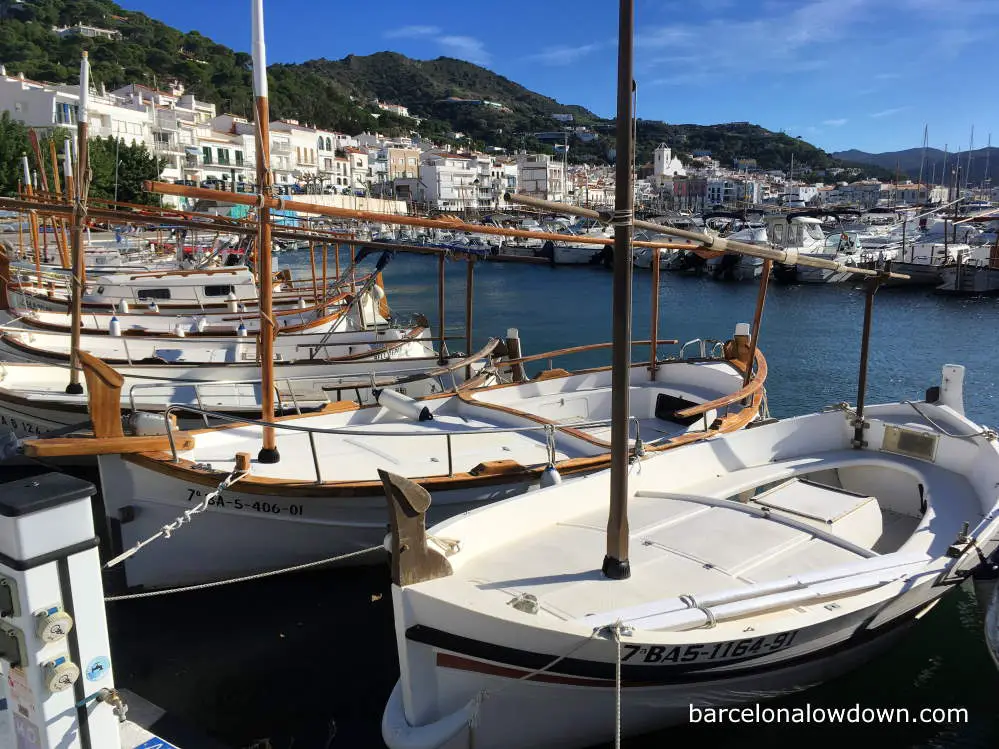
column 397, row 109
column 450, row 182
column 666, row 166
column 541, row 176
column 729, row 191
column 92, row 32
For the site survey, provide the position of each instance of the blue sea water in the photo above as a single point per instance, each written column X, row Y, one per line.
column 314, row 655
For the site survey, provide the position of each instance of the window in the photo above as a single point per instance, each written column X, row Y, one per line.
column 219, row 290
column 223, row 154
column 239, row 158
column 206, row 154
column 779, row 233
column 329, row 145
column 320, row 143
column 153, row 293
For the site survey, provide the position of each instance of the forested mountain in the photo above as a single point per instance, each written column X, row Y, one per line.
column 339, row 94
column 909, row 161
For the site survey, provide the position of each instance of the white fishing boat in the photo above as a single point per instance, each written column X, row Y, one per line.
column 971, row 278
column 761, row 563
column 324, row 498
column 174, row 291
column 338, row 340
column 314, row 318
column 740, row 568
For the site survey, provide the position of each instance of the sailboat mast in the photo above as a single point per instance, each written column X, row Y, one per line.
column 79, row 211
column 986, row 180
column 616, row 565
column 971, row 150
column 922, row 159
column 268, row 452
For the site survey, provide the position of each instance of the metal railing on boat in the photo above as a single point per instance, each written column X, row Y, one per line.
column 550, row 429
column 325, row 384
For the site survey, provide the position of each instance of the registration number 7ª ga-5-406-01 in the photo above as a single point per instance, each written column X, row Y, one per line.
column 235, row 503
column 750, row 646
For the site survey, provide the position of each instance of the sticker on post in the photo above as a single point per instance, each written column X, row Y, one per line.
column 98, row 668
column 155, row 743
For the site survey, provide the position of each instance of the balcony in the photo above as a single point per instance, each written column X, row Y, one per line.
column 162, row 121
column 167, row 147
column 281, row 147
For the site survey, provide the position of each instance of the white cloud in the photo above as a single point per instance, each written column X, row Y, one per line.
column 466, row 47
column 839, row 122
column 888, row 112
column 562, row 55
column 809, row 32
column 412, row 32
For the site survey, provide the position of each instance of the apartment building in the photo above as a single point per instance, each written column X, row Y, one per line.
column 541, row 176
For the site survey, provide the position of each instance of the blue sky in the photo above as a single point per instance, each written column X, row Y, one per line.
column 842, row 74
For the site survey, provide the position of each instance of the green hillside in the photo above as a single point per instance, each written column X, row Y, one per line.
column 338, row 94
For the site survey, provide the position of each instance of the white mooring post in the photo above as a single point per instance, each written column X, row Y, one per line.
column 56, row 688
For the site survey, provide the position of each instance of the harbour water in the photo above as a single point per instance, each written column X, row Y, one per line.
column 308, row 660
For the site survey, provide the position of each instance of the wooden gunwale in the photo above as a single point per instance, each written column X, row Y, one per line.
column 490, row 474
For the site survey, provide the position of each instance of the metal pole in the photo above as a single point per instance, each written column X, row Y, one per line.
column 469, row 298
column 616, row 565
column 865, row 345
column 654, row 328
column 761, row 299
column 440, row 307
column 268, row 452
column 79, row 211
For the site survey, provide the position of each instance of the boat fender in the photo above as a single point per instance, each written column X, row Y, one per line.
column 241, row 330
column 198, row 324
column 154, row 307
column 178, row 330
column 114, row 326
column 550, row 476
column 144, row 424
column 123, row 305
column 403, row 405
column 302, row 304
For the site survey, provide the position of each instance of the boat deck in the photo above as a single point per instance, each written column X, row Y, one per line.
column 419, row 450
column 705, row 540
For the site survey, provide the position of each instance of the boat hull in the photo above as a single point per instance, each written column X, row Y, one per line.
column 244, row 532
column 562, row 708
column 967, row 280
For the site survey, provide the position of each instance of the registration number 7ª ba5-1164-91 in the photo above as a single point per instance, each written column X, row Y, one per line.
column 712, row 651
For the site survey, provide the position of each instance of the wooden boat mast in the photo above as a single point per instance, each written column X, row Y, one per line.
column 79, row 215
column 616, row 565
column 268, row 452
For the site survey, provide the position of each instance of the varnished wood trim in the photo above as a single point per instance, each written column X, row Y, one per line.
column 61, row 447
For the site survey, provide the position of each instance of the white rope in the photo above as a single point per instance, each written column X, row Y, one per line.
column 246, row 578
column 449, row 546
column 616, row 629
column 167, row 530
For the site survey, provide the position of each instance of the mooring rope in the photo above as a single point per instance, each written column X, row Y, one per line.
column 167, row 530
